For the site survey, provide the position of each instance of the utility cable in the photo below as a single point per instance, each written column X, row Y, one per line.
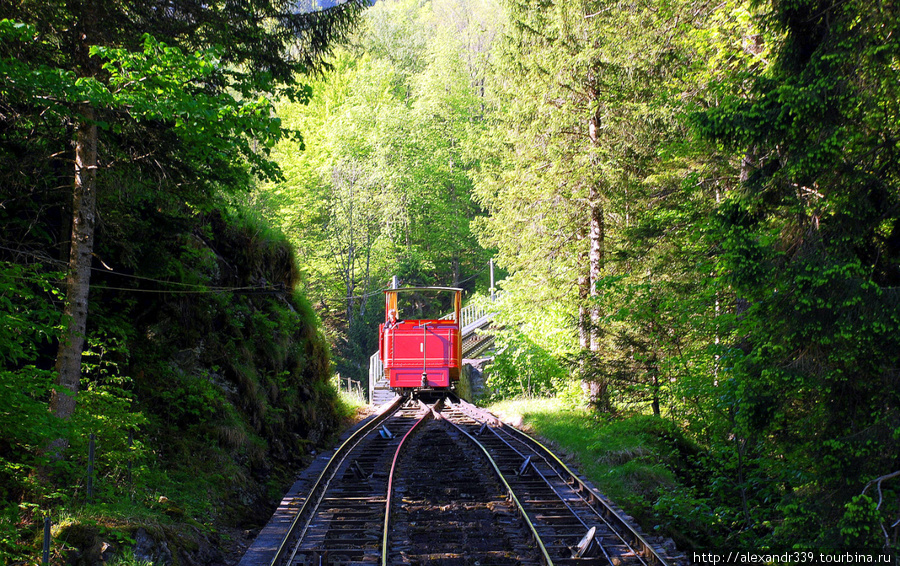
column 200, row 289
column 385, row 288
column 196, row 288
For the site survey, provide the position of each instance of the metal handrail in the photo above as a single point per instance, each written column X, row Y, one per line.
column 473, row 312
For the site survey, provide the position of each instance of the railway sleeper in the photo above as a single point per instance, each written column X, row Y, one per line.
column 435, row 520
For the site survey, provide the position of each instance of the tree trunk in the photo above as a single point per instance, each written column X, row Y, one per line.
column 596, row 236
column 589, row 333
column 595, row 259
column 588, row 387
column 584, row 317
column 78, row 279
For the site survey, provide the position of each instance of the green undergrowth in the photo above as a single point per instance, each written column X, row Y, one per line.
column 637, row 461
column 350, row 402
column 205, row 382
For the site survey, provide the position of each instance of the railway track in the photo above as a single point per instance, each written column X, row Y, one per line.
column 575, row 524
column 448, row 484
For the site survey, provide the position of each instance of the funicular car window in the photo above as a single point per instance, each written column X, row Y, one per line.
column 424, row 304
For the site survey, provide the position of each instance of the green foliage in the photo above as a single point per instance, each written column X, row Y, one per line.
column 26, row 320
column 861, row 524
column 27, row 323
column 127, row 558
column 749, row 259
column 743, row 158
column 158, row 83
column 645, row 464
column 590, row 118
column 104, row 408
column 162, row 367
column 181, row 291
column 805, row 247
column 383, row 188
column 521, row 368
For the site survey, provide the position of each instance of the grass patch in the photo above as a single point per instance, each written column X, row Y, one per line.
column 349, row 402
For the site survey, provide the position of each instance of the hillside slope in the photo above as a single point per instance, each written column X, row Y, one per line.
column 205, row 384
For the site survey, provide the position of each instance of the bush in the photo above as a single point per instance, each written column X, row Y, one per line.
column 521, row 368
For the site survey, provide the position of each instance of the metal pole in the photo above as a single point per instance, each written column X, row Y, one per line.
column 492, row 278
column 424, row 359
column 394, row 282
column 46, row 557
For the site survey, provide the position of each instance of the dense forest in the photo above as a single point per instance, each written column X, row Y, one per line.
column 382, row 184
column 696, row 206
column 162, row 374
column 696, row 209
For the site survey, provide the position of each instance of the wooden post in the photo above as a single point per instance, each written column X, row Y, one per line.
column 130, row 461
column 46, row 557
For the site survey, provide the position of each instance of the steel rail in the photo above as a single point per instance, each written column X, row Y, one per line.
column 556, row 492
column 550, row 485
column 523, row 456
column 534, row 533
column 565, row 502
column 579, row 493
column 428, row 411
column 647, row 548
column 322, row 482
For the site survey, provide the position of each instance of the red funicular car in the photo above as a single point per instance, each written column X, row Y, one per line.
column 421, row 352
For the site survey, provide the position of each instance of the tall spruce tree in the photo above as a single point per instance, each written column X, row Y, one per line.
column 589, row 150
column 811, row 242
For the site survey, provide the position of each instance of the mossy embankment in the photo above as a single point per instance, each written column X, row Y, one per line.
column 643, row 463
column 205, row 385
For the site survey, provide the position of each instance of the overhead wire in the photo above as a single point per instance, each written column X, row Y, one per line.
column 199, row 288
column 195, row 287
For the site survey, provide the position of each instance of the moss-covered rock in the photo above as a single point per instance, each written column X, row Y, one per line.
column 205, row 384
